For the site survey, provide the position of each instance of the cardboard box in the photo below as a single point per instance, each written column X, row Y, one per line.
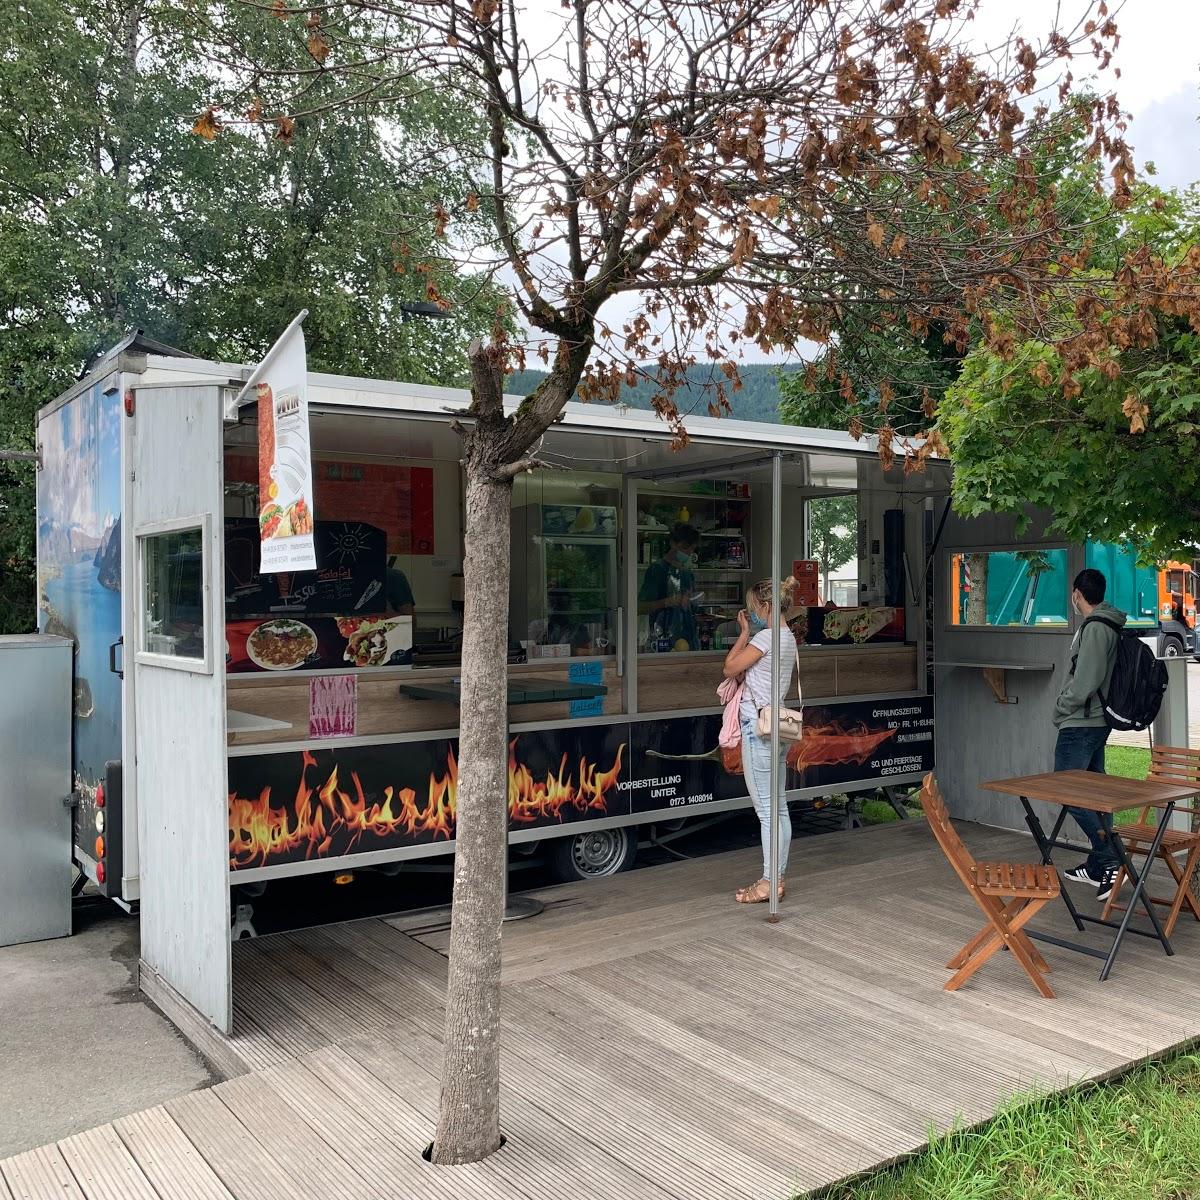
column 807, row 574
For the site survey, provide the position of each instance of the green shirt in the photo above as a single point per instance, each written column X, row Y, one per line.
column 399, row 592
column 664, row 579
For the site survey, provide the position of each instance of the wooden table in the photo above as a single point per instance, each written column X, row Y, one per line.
column 1105, row 795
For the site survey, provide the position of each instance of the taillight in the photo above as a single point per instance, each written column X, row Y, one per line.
column 99, row 795
column 99, row 821
column 99, row 847
column 101, row 873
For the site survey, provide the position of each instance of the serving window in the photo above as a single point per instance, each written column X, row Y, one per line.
column 1010, row 589
column 627, row 575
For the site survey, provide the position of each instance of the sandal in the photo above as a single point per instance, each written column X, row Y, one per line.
column 758, row 893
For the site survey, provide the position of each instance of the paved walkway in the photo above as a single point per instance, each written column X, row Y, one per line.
column 78, row 1043
column 658, row 1041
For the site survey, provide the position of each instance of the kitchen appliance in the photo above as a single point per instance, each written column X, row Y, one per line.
column 563, row 591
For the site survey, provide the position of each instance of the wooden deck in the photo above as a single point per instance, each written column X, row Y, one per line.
column 659, row 1042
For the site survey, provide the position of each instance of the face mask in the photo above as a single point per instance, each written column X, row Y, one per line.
column 756, row 623
column 683, row 558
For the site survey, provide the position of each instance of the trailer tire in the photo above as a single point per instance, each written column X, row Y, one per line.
column 1172, row 647
column 596, row 854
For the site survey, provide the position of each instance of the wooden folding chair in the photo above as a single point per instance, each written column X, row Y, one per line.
column 1009, row 894
column 1169, row 764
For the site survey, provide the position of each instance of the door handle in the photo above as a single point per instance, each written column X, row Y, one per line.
column 620, row 641
column 112, row 658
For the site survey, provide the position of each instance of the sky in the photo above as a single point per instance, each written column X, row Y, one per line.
column 1159, row 60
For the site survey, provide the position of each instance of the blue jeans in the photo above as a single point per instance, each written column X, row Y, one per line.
column 756, row 763
column 1082, row 749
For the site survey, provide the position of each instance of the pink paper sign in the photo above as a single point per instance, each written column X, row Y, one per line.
column 332, row 706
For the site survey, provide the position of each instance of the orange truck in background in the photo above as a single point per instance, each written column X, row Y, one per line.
column 1177, row 607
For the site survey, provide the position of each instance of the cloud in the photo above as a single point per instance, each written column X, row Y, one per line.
column 1167, row 133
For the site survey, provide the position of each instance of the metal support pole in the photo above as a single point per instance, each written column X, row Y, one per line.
column 776, row 619
column 1171, row 726
column 629, row 596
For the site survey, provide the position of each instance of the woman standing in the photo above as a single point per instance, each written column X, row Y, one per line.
column 750, row 656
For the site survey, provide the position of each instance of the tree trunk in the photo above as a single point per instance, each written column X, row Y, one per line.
column 977, row 614
column 468, row 1126
column 495, row 450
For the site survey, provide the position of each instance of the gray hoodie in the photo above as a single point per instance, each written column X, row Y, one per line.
column 1095, row 646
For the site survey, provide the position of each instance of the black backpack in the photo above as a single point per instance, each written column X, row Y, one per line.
column 1139, row 679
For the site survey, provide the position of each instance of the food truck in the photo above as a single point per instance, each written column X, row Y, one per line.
column 235, row 725
column 320, row 703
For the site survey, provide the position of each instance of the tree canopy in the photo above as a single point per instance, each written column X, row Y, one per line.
column 1111, row 447
column 114, row 217
column 1092, row 412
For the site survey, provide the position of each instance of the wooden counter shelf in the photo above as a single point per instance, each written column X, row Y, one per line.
column 665, row 683
column 671, row 681
column 994, row 673
column 382, row 709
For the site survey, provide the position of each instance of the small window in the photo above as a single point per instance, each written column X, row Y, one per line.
column 1022, row 589
column 174, row 597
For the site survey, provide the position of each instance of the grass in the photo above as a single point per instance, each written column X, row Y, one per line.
column 1133, row 762
column 878, row 812
column 1135, row 1138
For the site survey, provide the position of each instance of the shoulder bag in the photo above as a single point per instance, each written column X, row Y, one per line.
column 791, row 720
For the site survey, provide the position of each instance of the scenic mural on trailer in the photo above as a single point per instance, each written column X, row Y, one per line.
column 79, row 566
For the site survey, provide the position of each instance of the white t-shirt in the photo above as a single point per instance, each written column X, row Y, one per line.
column 757, row 692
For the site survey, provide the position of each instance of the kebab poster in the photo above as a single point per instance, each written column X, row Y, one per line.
column 285, row 485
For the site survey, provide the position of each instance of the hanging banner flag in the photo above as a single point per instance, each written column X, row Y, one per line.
column 285, row 482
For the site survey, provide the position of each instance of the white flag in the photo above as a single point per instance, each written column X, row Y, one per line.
column 285, row 502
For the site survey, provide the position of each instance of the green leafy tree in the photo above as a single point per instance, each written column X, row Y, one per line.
column 113, row 217
column 889, row 366
column 1111, row 446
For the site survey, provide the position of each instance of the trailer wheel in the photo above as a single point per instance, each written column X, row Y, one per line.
column 593, row 855
column 1172, row 647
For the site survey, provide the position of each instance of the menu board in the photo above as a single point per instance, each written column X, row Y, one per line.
column 396, row 499
column 349, row 579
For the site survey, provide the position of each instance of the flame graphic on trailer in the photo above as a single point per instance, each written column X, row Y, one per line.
column 339, row 809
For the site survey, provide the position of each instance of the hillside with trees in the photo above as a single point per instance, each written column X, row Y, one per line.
column 758, row 399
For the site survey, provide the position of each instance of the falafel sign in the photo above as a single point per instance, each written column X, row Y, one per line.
column 285, row 480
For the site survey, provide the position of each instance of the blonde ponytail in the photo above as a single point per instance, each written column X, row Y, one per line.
column 763, row 593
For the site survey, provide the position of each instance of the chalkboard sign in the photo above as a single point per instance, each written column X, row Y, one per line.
column 348, row 581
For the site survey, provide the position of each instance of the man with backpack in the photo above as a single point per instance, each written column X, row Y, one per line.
column 1079, row 716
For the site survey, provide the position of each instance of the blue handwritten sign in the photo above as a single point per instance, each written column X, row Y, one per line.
column 586, row 672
